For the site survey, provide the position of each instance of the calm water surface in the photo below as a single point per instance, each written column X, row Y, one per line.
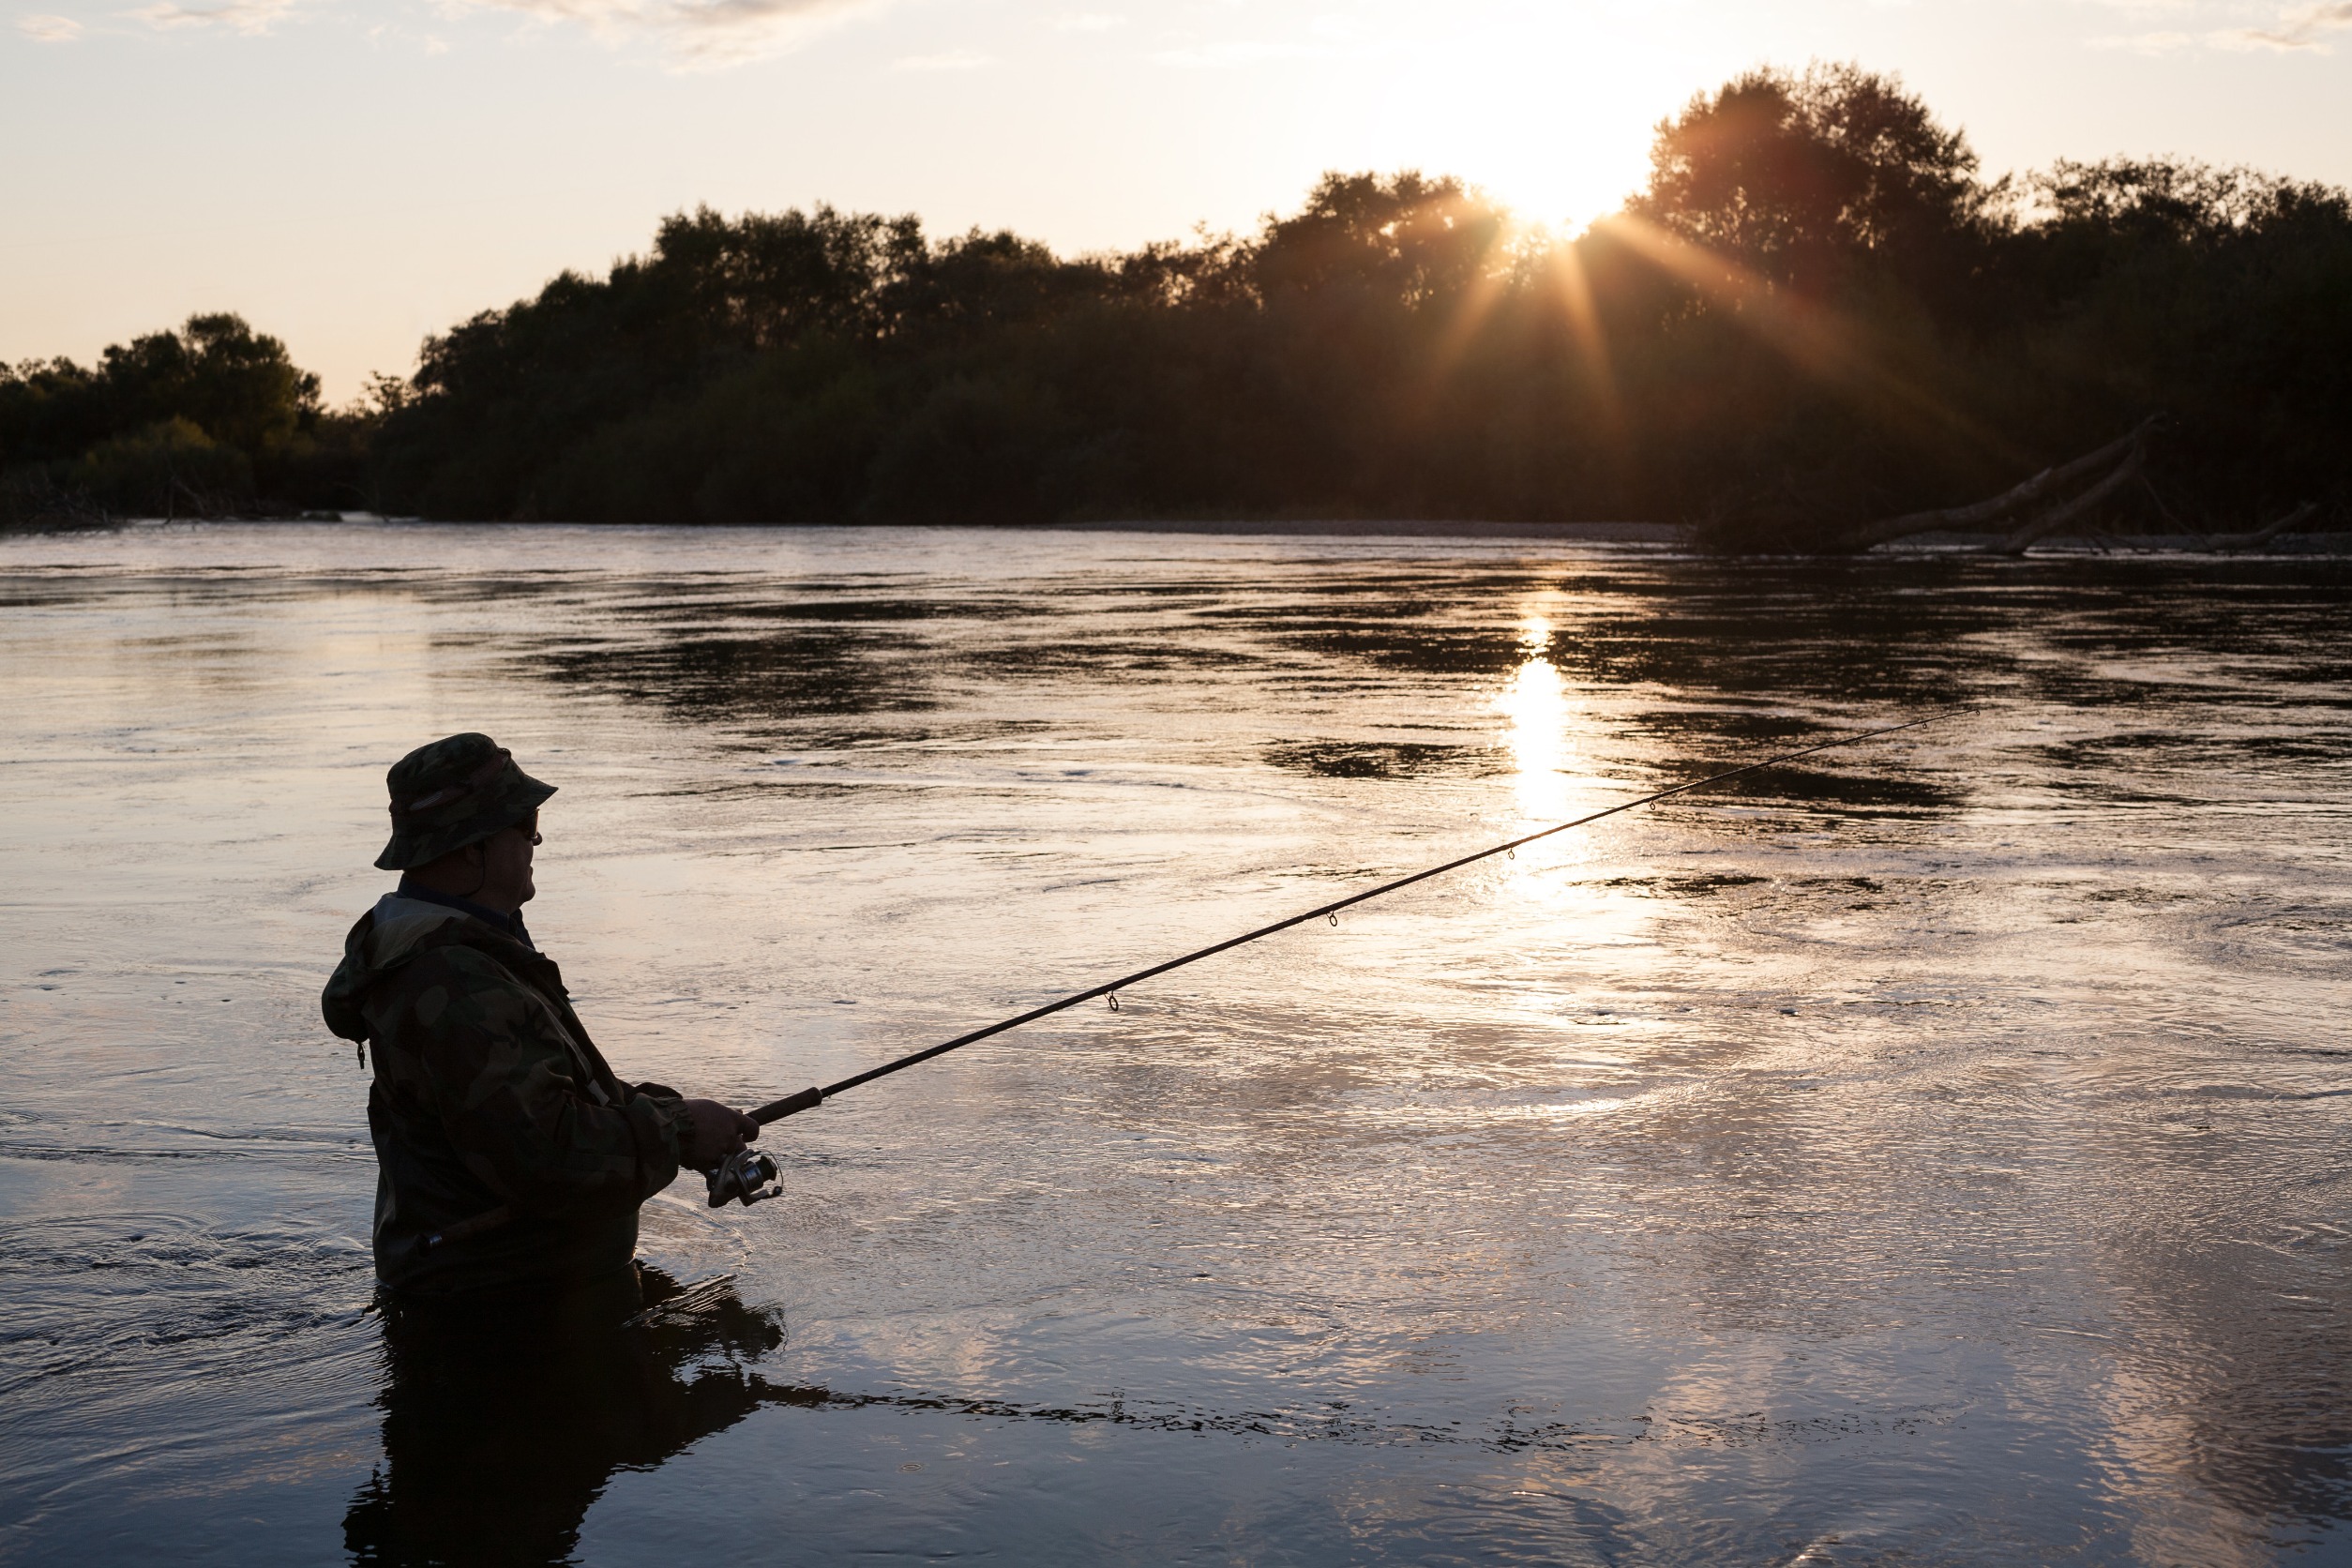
column 1936, row 1154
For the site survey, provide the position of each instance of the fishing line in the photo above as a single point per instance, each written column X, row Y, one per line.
column 746, row 1176
column 808, row 1099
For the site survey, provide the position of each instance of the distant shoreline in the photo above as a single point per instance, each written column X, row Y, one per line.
column 1592, row 532
column 1673, row 536
column 1653, row 536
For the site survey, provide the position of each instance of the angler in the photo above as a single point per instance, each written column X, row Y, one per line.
column 489, row 1097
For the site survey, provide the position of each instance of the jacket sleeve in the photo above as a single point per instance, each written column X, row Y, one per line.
column 520, row 1105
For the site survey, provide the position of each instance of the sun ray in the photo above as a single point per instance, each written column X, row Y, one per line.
column 1824, row 343
column 1565, row 265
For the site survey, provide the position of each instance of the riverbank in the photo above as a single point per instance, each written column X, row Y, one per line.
column 1664, row 537
column 1672, row 535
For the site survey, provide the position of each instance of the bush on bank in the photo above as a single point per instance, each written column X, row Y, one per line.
column 212, row 419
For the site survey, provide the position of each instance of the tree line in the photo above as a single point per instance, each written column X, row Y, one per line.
column 1818, row 312
column 210, row 419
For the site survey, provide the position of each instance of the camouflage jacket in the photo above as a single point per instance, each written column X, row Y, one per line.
column 487, row 1091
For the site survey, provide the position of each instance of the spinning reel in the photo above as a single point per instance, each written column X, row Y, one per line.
column 743, row 1178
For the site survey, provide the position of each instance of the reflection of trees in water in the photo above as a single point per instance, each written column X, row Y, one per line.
column 1743, row 640
column 775, row 674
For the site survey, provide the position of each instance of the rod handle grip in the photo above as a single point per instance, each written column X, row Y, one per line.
column 791, row 1105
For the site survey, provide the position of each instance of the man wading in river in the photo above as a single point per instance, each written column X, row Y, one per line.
column 489, row 1093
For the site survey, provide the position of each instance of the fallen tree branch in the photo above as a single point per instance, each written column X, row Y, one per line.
column 2058, row 517
column 1982, row 512
column 2162, row 510
column 2264, row 535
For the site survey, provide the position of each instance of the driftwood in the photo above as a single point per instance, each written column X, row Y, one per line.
column 2264, row 535
column 1980, row 513
column 2124, row 461
column 2058, row 517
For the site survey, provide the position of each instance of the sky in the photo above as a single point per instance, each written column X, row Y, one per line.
column 354, row 174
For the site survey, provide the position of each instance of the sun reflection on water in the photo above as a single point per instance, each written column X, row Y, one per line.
column 1535, row 703
column 1550, row 731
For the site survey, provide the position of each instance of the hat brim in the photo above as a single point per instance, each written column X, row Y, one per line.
column 515, row 798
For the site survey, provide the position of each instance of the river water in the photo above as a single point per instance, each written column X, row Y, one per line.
column 1933, row 1154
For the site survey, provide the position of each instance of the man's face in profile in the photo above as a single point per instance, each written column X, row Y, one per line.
column 506, row 856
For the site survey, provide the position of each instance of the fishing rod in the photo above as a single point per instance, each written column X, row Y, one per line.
column 739, row 1187
column 746, row 1176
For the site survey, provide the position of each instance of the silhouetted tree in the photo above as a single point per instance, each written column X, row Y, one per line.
column 239, row 386
column 1804, row 180
column 203, row 419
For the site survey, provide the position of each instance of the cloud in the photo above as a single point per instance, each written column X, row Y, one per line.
column 1242, row 52
column 1088, row 22
column 2147, row 43
column 2302, row 28
column 697, row 33
column 1330, row 35
column 243, row 16
column 959, row 59
column 48, row 29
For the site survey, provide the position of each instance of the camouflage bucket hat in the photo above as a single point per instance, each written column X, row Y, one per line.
column 453, row 792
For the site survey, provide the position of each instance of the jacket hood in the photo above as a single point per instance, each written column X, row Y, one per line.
column 384, row 938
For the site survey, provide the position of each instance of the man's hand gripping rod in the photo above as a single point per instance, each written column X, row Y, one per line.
column 744, row 1176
